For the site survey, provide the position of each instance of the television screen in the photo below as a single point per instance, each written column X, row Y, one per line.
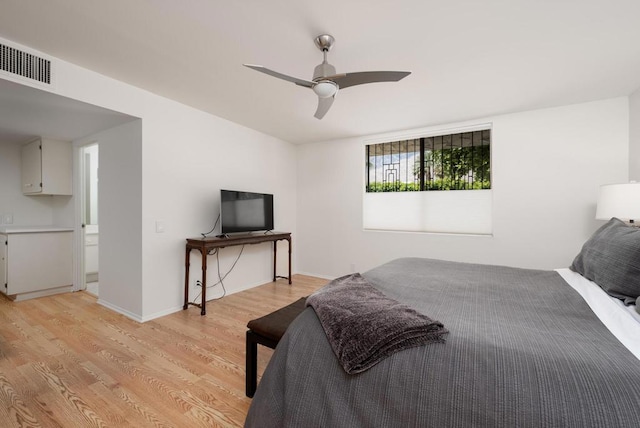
column 245, row 211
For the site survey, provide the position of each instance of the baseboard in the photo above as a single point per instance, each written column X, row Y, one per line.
column 210, row 299
column 162, row 313
column 175, row 309
column 317, row 275
column 120, row 310
column 42, row 293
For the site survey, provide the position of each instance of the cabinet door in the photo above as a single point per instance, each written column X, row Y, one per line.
column 32, row 168
column 57, row 166
column 3, row 263
column 38, row 261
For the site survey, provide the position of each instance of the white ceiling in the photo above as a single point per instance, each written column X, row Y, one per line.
column 468, row 58
column 27, row 112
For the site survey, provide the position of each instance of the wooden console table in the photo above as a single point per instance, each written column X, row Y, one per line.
column 205, row 245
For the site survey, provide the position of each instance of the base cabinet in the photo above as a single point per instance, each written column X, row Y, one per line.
column 32, row 262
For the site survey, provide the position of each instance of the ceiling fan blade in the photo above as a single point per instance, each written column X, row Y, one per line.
column 345, row 80
column 324, row 104
column 300, row 82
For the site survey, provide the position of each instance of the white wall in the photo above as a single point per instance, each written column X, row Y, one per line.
column 186, row 161
column 120, row 213
column 547, row 166
column 634, row 136
column 172, row 172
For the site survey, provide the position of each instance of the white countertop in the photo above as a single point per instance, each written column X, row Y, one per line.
column 33, row 229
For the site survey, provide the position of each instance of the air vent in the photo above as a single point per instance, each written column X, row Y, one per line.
column 24, row 64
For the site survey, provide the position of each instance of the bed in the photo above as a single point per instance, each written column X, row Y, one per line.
column 525, row 348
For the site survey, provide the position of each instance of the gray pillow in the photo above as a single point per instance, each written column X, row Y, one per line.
column 611, row 259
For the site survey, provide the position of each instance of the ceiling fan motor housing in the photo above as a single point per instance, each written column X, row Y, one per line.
column 323, row 70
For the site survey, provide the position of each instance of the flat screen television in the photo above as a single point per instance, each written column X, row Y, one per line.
column 245, row 211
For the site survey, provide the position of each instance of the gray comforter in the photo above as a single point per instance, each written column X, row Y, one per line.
column 524, row 350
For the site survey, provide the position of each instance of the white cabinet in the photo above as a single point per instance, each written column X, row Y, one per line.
column 91, row 248
column 47, row 167
column 35, row 261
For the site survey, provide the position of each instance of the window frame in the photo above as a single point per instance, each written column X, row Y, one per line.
column 420, row 181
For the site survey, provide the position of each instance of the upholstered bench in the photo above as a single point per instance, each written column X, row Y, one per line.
column 267, row 331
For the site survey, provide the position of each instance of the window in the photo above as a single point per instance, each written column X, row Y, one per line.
column 460, row 161
column 401, row 176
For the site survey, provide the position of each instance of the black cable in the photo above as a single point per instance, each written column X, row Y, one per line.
column 204, row 235
column 224, row 290
column 221, row 278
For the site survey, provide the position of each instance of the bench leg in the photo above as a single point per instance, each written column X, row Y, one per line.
column 251, row 366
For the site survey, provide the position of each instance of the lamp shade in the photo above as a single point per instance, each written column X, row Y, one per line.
column 619, row 200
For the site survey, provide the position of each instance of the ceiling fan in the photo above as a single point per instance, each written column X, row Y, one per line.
column 326, row 83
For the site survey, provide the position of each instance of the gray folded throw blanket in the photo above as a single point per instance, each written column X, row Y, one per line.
column 364, row 326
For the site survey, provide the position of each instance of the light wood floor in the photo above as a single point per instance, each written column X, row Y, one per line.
column 66, row 361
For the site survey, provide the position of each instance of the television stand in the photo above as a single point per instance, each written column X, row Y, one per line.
column 205, row 245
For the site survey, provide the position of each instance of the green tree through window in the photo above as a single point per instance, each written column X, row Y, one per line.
column 459, row 161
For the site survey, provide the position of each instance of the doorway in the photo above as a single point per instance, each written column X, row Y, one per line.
column 89, row 177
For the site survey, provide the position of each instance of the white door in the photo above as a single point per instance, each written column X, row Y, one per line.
column 3, row 263
column 89, row 161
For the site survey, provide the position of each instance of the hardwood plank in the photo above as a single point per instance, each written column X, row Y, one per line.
column 67, row 361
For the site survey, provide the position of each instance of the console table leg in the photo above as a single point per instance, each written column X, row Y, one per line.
column 275, row 255
column 289, row 240
column 203, row 302
column 186, row 279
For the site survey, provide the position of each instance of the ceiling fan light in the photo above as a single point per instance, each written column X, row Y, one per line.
column 325, row 89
